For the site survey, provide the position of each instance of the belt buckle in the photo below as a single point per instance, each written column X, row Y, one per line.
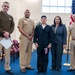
column 29, row 34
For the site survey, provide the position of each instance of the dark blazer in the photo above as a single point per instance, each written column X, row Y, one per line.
column 60, row 36
column 43, row 36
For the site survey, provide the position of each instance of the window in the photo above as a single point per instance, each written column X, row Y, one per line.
column 56, row 6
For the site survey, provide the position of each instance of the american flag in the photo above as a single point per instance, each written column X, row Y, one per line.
column 72, row 11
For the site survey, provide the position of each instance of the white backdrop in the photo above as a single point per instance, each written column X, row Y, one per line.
column 17, row 8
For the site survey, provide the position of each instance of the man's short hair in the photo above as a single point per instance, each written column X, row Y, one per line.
column 6, row 2
column 43, row 16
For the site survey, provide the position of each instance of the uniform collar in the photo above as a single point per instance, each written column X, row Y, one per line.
column 3, row 13
column 26, row 18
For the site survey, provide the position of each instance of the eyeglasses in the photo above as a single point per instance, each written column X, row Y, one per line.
column 6, row 6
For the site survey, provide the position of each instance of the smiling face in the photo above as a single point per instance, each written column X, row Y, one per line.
column 43, row 20
column 27, row 13
column 5, row 7
column 57, row 20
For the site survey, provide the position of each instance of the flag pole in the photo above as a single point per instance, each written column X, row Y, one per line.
column 67, row 64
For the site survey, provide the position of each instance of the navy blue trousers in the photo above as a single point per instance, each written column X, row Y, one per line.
column 42, row 58
column 57, row 51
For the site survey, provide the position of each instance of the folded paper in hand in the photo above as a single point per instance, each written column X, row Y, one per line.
column 6, row 42
column 46, row 50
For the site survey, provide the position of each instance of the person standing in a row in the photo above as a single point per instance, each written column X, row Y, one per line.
column 6, row 28
column 43, row 36
column 26, row 28
column 72, row 45
column 59, row 43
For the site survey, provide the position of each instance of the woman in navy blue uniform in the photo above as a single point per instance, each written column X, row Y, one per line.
column 43, row 36
column 60, row 41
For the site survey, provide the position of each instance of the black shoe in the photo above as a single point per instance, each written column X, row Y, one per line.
column 70, row 70
column 58, row 69
column 23, row 70
column 52, row 68
column 9, row 71
column 30, row 68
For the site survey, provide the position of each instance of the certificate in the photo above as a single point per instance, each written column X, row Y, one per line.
column 6, row 42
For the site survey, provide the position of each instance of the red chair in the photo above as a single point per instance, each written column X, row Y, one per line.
column 15, row 49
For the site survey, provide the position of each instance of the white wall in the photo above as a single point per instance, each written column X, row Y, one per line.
column 17, row 8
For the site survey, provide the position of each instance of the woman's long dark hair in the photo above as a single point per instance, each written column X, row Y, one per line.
column 59, row 19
